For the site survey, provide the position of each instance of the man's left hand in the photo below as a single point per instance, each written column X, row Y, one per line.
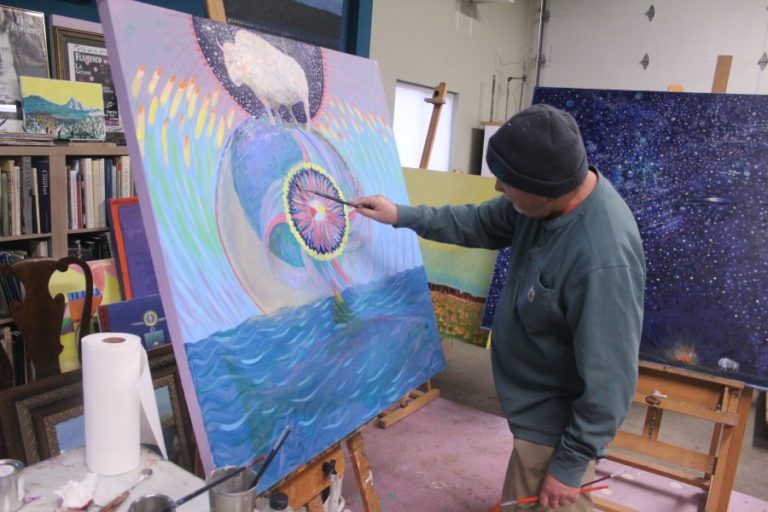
column 555, row 494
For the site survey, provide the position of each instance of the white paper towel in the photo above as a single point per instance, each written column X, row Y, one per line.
column 118, row 399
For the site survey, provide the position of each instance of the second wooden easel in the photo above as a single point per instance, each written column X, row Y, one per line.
column 417, row 399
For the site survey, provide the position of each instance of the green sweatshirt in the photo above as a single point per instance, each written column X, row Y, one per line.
column 567, row 328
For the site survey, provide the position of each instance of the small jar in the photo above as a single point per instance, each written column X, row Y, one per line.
column 278, row 502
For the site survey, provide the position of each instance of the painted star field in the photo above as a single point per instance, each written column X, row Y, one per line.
column 692, row 167
column 211, row 36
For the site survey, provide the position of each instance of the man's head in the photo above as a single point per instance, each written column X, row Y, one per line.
column 538, row 153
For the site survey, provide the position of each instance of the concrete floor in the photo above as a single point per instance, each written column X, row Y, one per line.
column 451, row 455
column 468, row 381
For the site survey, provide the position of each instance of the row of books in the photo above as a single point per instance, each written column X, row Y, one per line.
column 10, row 287
column 25, row 199
column 91, row 183
column 12, row 345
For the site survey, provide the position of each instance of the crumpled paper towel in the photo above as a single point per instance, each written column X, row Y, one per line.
column 78, row 495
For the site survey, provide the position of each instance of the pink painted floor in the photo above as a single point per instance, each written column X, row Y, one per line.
column 451, row 458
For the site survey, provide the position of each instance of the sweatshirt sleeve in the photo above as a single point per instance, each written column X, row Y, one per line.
column 489, row 225
column 605, row 312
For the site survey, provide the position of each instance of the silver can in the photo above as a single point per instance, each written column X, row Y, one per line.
column 11, row 485
column 236, row 494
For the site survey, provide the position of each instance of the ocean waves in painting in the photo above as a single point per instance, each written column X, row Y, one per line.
column 323, row 369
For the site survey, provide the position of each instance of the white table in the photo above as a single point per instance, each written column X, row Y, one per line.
column 41, row 479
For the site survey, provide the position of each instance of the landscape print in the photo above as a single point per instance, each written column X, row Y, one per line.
column 691, row 166
column 64, row 109
column 285, row 307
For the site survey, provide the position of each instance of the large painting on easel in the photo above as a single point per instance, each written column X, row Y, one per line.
column 692, row 168
column 285, row 307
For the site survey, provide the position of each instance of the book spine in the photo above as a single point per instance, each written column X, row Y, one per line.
column 125, row 181
column 15, row 210
column 89, row 207
column 26, row 199
column 44, row 191
column 36, row 196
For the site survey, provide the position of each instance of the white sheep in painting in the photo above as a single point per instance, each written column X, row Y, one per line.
column 274, row 77
column 728, row 364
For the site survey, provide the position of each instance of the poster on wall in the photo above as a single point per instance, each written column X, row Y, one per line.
column 691, row 166
column 285, row 308
column 23, row 52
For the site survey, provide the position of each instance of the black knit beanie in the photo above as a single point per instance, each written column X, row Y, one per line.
column 539, row 150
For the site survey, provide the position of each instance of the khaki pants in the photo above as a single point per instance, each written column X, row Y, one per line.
column 525, row 475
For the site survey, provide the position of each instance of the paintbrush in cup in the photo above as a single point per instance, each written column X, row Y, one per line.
column 216, row 482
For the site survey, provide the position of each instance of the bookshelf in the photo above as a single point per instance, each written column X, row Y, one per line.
column 58, row 156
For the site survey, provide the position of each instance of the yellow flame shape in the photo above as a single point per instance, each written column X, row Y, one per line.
column 167, row 89
column 187, row 152
column 220, row 133
column 177, row 98
column 193, row 102
column 154, row 80
column 164, row 139
column 211, row 123
column 202, row 116
column 140, row 127
column 191, row 86
column 136, row 86
column 153, row 110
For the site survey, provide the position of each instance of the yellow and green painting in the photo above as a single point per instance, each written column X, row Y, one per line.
column 458, row 277
column 64, row 109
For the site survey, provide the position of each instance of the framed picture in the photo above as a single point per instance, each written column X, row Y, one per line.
column 45, row 418
column 23, row 52
column 81, row 56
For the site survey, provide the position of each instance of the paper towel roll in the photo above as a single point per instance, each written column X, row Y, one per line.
column 117, row 396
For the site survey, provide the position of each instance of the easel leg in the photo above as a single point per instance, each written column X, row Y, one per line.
column 363, row 473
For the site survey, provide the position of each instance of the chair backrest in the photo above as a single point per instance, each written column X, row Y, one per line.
column 39, row 316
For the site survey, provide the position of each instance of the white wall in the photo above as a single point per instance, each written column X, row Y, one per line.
column 431, row 41
column 599, row 44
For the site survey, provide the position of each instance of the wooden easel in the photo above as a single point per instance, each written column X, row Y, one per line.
column 724, row 402
column 305, row 486
column 417, row 399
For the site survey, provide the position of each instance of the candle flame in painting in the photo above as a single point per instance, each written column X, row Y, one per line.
column 154, row 80
column 193, row 102
column 202, row 116
column 136, row 86
column 177, row 98
column 140, row 127
column 153, row 110
column 167, row 89
column 187, row 152
column 164, row 139
column 220, row 133
column 211, row 122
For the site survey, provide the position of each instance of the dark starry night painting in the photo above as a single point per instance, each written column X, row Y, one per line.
column 692, row 168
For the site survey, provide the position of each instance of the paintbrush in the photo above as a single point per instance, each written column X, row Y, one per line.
column 534, row 499
column 605, row 478
column 327, row 196
column 216, row 482
column 271, row 456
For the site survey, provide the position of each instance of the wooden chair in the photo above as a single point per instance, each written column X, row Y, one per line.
column 39, row 316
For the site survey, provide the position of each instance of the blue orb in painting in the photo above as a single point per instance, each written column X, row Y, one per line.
column 286, row 237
